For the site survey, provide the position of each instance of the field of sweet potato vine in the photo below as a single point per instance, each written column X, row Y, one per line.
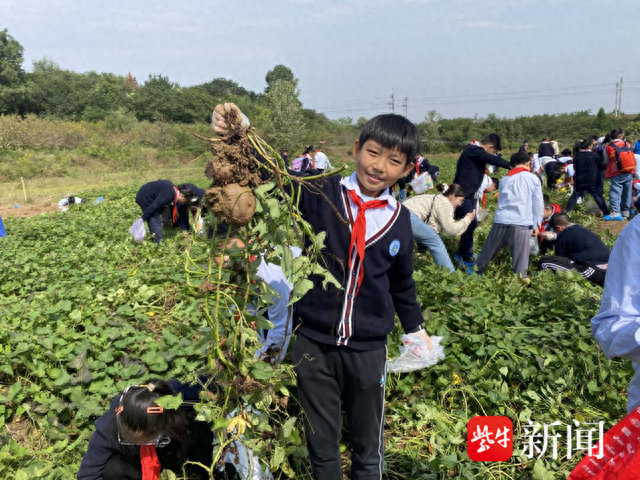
column 85, row 311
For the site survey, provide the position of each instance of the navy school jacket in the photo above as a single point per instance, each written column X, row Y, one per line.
column 471, row 167
column 153, row 196
column 338, row 317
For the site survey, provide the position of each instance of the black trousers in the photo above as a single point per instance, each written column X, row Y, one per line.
column 594, row 192
column 555, row 262
column 330, row 377
column 465, row 250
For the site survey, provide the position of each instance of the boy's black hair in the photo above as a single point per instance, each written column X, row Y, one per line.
column 495, row 181
column 526, row 141
column 186, row 191
column 559, row 166
column 544, row 139
column 135, row 421
column 547, row 202
column 393, row 132
column 71, row 199
column 566, row 152
column 492, row 139
column 560, row 220
column 519, row 158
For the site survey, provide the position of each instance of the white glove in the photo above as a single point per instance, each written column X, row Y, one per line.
column 219, row 122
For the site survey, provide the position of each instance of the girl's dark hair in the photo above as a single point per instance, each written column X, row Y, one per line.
column 566, row 152
column 134, row 420
column 309, row 149
column 393, row 132
column 71, row 199
column 451, row 189
column 495, row 181
column 613, row 134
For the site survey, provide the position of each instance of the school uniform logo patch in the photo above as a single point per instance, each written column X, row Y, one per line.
column 394, row 248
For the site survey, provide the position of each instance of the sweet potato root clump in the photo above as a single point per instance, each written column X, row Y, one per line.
column 233, row 203
column 234, row 172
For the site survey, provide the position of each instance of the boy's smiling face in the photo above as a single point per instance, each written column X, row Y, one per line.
column 378, row 167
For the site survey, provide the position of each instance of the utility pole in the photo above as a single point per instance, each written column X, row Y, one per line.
column 405, row 106
column 392, row 102
column 620, row 99
column 615, row 108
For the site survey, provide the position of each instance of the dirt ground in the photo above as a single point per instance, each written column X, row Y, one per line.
column 27, row 210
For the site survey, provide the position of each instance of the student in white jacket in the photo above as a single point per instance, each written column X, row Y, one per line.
column 616, row 328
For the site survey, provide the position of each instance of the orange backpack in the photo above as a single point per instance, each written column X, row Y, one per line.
column 625, row 159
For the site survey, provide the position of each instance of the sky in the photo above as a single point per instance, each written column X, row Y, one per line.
column 459, row 57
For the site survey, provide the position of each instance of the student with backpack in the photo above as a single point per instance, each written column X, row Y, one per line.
column 340, row 351
column 517, row 218
column 470, row 172
column 620, row 170
column 586, row 177
column 305, row 162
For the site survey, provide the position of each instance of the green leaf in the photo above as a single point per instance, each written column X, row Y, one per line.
column 170, row 402
column 540, row 472
column 288, row 427
column 277, row 458
column 261, row 371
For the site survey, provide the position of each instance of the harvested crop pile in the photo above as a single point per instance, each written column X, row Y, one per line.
column 234, row 173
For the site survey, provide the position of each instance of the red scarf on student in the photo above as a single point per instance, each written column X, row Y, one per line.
column 175, row 205
column 150, row 462
column 359, row 230
column 517, row 170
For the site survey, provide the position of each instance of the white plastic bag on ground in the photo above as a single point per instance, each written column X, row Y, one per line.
column 421, row 183
column 481, row 215
column 415, row 354
column 138, row 230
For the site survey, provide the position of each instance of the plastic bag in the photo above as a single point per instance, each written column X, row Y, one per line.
column 138, row 230
column 481, row 215
column 534, row 247
column 421, row 183
column 415, row 354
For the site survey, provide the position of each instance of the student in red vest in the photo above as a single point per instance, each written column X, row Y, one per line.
column 517, row 218
column 620, row 170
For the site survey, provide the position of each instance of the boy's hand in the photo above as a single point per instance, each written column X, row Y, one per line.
column 535, row 232
column 547, row 235
column 221, row 115
column 423, row 334
column 471, row 215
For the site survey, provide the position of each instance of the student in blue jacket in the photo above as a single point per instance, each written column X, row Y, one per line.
column 136, row 438
column 154, row 196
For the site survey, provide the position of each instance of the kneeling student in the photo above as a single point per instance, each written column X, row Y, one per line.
column 576, row 248
column 520, row 207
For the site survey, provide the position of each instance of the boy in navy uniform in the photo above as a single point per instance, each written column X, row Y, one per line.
column 470, row 172
column 153, row 197
column 340, row 351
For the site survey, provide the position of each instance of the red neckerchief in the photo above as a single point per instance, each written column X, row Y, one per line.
column 175, row 206
column 149, row 462
column 517, row 170
column 359, row 230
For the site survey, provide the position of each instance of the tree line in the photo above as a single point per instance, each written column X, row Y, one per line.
column 50, row 91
